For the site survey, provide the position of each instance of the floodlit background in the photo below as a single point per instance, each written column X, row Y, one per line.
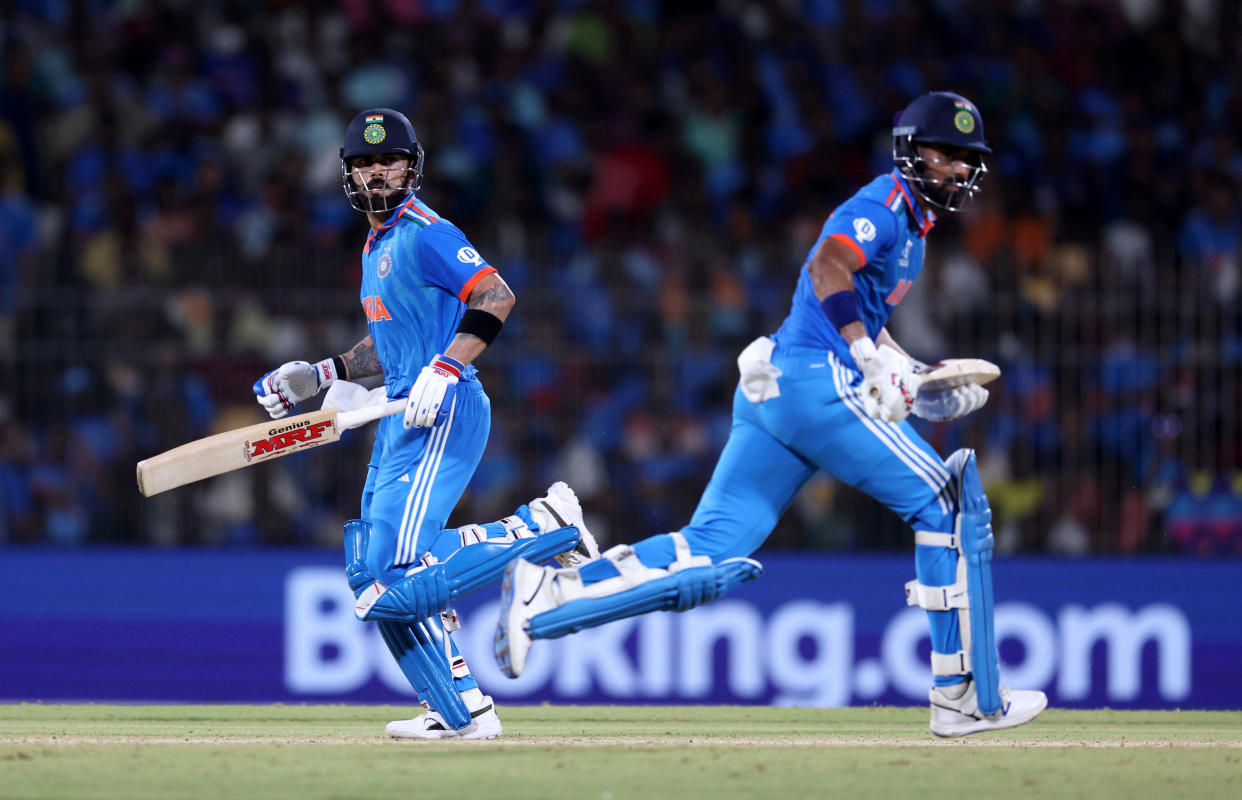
column 648, row 177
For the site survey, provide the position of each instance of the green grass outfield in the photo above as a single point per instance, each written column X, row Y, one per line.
column 610, row 753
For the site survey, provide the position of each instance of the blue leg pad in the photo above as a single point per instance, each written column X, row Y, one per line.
column 433, row 589
column 675, row 591
column 471, row 568
column 357, row 538
column 975, row 523
column 419, row 651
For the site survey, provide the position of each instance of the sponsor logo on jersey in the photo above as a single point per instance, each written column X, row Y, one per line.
column 864, row 229
column 287, row 438
column 904, row 259
column 374, row 308
column 385, row 265
column 374, row 133
column 468, row 255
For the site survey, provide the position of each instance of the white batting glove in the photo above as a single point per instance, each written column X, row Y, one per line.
column 947, row 404
column 889, row 384
column 289, row 384
column 431, row 397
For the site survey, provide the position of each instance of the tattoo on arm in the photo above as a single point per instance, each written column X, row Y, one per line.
column 362, row 361
column 468, row 340
column 498, row 294
column 495, row 297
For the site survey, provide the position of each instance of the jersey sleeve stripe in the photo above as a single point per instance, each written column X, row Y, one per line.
column 422, row 213
column 473, row 282
column 853, row 245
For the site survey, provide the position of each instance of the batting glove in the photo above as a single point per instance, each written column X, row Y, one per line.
column 947, row 404
column 889, row 384
column 289, row 384
column 431, row 397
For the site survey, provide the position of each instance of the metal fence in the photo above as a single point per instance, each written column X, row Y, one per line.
column 1113, row 429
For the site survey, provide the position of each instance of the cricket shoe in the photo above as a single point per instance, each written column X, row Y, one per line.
column 485, row 724
column 558, row 509
column 525, row 591
column 959, row 716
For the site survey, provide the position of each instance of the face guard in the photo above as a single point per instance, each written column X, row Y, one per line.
column 383, row 199
column 945, row 121
column 951, row 192
column 374, row 132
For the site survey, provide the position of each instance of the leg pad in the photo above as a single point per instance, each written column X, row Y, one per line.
column 431, row 589
column 420, row 653
column 656, row 590
column 970, row 594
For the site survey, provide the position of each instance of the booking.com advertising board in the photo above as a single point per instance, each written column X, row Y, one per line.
column 819, row 630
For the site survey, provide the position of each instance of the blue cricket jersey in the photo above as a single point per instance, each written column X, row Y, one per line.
column 884, row 225
column 417, row 272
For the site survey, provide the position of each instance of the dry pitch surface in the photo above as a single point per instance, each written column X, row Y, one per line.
column 610, row 753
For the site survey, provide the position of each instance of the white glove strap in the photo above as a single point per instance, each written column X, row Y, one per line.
column 863, row 350
column 327, row 372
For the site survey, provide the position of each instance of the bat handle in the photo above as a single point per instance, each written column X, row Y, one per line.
column 361, row 416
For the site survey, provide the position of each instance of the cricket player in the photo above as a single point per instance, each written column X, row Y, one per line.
column 432, row 305
column 830, row 390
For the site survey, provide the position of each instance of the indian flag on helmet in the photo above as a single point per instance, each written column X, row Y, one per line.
column 962, row 105
column 374, row 118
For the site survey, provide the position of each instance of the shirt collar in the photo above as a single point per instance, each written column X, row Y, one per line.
column 392, row 220
column 925, row 222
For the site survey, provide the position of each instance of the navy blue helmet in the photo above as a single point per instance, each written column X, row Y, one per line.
column 948, row 120
column 381, row 131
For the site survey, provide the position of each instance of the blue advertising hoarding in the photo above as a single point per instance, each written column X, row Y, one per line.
column 816, row 629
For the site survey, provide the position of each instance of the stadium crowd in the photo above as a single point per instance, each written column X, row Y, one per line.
column 648, row 178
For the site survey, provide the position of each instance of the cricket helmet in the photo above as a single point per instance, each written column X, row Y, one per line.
column 946, row 119
column 381, row 131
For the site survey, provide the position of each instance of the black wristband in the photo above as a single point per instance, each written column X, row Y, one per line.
column 482, row 324
column 338, row 363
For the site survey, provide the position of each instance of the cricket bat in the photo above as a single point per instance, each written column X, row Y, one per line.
column 950, row 373
column 953, row 372
column 253, row 444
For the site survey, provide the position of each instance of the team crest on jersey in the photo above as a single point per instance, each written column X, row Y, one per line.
column 964, row 121
column 864, row 229
column 385, row 265
column 374, row 133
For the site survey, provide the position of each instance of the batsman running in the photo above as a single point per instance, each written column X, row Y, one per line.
column 830, row 390
column 432, row 306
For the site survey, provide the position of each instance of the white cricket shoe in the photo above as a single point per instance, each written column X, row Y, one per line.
column 525, row 591
column 484, row 725
column 558, row 508
column 960, row 716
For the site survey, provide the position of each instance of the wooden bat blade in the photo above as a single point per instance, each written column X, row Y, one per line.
column 954, row 372
column 235, row 449
column 239, row 448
